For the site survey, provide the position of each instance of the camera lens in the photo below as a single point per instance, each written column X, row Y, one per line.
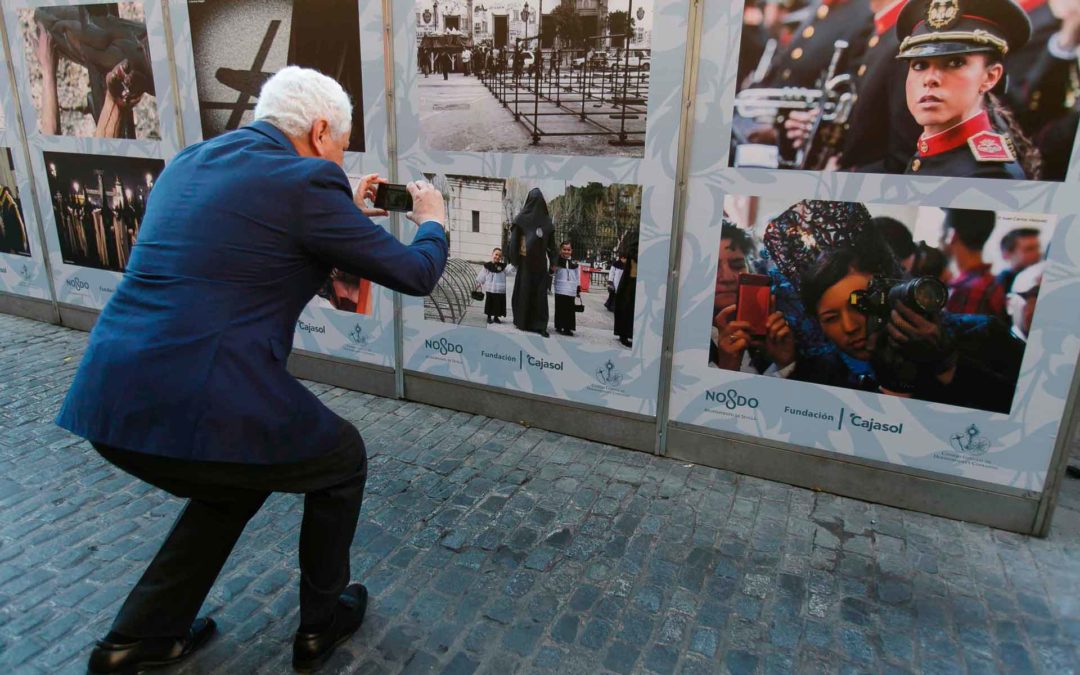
column 928, row 294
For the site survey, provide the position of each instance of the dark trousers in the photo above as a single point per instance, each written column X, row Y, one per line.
column 222, row 499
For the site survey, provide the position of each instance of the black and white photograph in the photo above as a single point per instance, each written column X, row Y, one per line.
column 90, row 70
column 546, row 257
column 922, row 302
column 563, row 77
column 952, row 88
column 239, row 44
column 14, row 238
column 98, row 203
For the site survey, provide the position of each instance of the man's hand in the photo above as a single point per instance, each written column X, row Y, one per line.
column 125, row 84
column 797, row 126
column 427, row 204
column 365, row 195
column 45, row 51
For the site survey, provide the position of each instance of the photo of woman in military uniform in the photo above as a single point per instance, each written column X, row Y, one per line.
column 954, row 88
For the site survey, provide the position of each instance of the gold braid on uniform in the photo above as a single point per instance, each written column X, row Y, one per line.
column 977, row 36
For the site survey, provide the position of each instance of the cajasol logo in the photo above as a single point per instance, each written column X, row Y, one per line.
column 731, row 399
column 309, row 327
column 444, row 346
column 871, row 424
column 78, row 284
column 26, row 273
column 541, row 363
column 970, row 441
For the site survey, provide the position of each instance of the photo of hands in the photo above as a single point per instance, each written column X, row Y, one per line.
column 90, row 72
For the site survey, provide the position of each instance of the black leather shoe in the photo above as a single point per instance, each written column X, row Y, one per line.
column 544, row 333
column 141, row 654
column 311, row 650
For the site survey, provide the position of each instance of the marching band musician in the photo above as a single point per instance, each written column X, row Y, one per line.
column 808, row 54
column 954, row 51
column 880, row 132
column 1045, row 98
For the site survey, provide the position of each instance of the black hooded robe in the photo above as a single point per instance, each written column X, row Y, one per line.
column 626, row 294
column 533, row 253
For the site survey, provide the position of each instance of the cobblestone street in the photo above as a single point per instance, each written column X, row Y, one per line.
column 490, row 547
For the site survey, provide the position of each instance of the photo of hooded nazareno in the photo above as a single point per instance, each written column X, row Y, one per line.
column 547, row 257
column 14, row 237
column 918, row 302
column 954, row 88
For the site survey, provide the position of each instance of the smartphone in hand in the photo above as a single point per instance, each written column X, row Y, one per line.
column 393, row 197
column 752, row 302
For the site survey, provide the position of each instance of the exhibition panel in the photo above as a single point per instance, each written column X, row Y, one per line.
column 225, row 50
column 866, row 211
column 552, row 131
column 97, row 105
column 922, row 323
column 22, row 262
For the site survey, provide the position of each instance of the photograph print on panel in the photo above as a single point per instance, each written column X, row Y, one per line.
column 567, row 77
column 951, row 88
column 345, row 291
column 239, row 44
column 90, row 73
column 928, row 303
column 14, row 237
column 546, row 257
column 98, row 204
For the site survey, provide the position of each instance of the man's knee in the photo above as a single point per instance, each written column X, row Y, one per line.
column 353, row 449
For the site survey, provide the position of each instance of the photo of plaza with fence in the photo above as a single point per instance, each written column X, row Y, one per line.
column 567, row 78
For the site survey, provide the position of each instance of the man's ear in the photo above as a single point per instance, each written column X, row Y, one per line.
column 319, row 136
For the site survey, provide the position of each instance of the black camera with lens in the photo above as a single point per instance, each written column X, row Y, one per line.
column 896, row 370
column 926, row 295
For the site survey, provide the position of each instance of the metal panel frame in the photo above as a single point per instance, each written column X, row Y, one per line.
column 627, row 430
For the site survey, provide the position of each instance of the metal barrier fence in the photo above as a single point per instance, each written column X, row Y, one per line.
column 449, row 302
column 573, row 84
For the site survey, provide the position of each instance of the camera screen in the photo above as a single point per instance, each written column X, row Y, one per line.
column 398, row 199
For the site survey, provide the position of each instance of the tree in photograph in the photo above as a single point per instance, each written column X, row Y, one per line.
column 620, row 23
column 567, row 27
column 514, row 193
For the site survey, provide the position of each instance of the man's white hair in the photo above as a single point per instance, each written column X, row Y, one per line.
column 295, row 98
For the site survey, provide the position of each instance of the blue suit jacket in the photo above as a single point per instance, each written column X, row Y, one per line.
column 187, row 359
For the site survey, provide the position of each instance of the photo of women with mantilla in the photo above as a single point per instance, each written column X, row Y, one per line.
column 952, row 88
column 534, row 253
column 839, row 294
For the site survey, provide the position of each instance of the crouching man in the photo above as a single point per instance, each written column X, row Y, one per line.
column 184, row 384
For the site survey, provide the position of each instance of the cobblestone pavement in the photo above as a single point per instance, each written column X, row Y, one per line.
column 490, row 547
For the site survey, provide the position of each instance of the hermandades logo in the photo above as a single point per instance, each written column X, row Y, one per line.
column 970, row 442
column 26, row 274
column 444, row 347
column 357, row 337
column 78, row 284
column 731, row 399
column 608, row 376
column 310, row 327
